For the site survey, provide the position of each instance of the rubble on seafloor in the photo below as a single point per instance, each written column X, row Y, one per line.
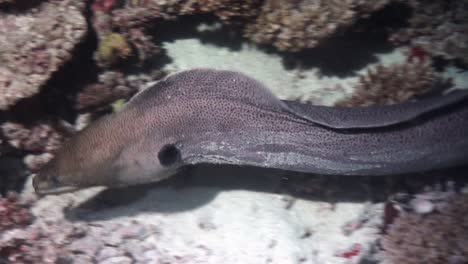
column 14, row 213
column 61, row 241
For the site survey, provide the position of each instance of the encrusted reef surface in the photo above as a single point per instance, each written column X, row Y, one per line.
column 35, row 44
column 64, row 63
column 297, row 25
column 439, row 27
column 431, row 227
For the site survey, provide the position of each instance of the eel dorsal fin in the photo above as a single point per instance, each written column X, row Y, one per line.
column 374, row 116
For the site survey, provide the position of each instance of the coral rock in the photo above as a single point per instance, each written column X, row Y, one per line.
column 35, row 162
column 41, row 137
column 111, row 86
column 112, row 48
column 439, row 27
column 393, row 84
column 436, row 237
column 35, row 44
column 297, row 25
column 142, row 13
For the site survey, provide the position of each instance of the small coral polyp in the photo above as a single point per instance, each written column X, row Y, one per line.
column 103, row 5
column 113, row 48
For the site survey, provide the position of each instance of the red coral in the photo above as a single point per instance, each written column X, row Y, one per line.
column 417, row 53
column 352, row 251
column 103, row 5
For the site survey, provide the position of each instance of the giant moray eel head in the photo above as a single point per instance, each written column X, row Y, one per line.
column 108, row 153
column 84, row 160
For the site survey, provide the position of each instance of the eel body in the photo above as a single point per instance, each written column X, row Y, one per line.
column 225, row 117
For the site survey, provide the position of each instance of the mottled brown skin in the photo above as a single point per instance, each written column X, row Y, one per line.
column 224, row 117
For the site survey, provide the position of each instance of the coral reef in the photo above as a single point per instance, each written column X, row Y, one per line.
column 102, row 5
column 129, row 42
column 111, row 86
column 112, row 47
column 42, row 138
column 38, row 138
column 35, row 162
column 435, row 236
column 438, row 27
column 131, row 20
column 297, row 25
column 393, row 84
column 35, row 44
column 13, row 212
column 142, row 14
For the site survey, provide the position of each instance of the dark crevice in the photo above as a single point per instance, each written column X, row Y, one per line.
column 341, row 55
column 19, row 6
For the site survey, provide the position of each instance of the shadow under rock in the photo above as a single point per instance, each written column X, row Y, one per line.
column 199, row 185
column 206, row 28
column 19, row 6
column 354, row 48
column 341, row 55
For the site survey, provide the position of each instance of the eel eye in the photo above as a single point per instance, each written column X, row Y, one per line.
column 168, row 155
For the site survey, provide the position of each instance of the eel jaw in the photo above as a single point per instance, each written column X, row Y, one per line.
column 42, row 187
column 58, row 190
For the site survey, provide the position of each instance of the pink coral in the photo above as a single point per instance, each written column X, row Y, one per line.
column 102, row 5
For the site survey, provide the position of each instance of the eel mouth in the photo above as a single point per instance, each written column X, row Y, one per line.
column 45, row 187
column 57, row 190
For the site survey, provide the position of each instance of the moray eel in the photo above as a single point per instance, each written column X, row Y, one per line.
column 225, row 117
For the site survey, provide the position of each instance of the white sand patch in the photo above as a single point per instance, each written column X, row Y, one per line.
column 235, row 226
column 458, row 76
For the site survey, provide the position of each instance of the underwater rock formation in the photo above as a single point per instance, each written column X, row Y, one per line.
column 297, row 25
column 142, row 14
column 393, row 84
column 439, row 27
column 112, row 86
column 38, row 138
column 421, row 235
column 34, row 44
column 131, row 19
column 288, row 25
